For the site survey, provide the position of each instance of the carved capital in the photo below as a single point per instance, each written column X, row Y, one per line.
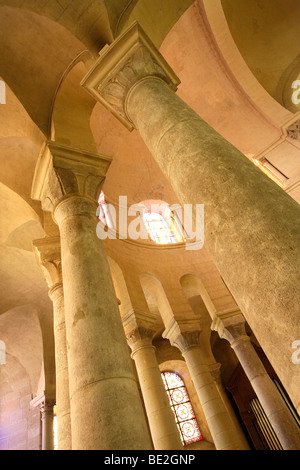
column 130, row 58
column 140, row 334
column 293, row 131
column 140, row 338
column 183, row 334
column 63, row 171
column 48, row 256
column 46, row 408
column 44, row 404
column 232, row 328
column 215, row 371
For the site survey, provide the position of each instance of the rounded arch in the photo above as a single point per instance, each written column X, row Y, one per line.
column 34, row 76
column 179, row 367
column 192, row 285
column 125, row 305
column 88, row 21
column 72, row 108
column 156, row 297
column 238, row 67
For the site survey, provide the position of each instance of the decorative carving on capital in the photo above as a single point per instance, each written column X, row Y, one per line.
column 187, row 340
column 139, row 334
column 63, row 171
column 293, row 131
column 45, row 405
column 130, row 58
column 46, row 408
column 138, row 66
column 183, row 334
column 232, row 328
column 48, row 255
column 215, row 371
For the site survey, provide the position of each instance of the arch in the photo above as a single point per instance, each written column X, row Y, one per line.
column 72, row 108
column 34, row 76
column 151, row 285
column 192, row 285
column 90, row 21
column 244, row 78
column 180, row 367
column 182, row 408
column 125, row 305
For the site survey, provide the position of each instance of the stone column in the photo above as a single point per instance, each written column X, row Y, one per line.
column 247, row 216
column 106, row 410
column 233, row 330
column 215, row 370
column 47, row 424
column 48, row 255
column 187, row 339
column 46, row 406
column 164, row 432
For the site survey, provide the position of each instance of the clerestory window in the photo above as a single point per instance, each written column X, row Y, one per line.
column 158, row 228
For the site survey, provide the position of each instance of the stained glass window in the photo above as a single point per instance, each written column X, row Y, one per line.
column 158, row 228
column 182, row 409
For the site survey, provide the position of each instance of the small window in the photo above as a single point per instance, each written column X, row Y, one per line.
column 182, row 408
column 103, row 211
column 158, row 228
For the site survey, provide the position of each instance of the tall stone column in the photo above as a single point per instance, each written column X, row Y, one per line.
column 164, row 432
column 47, row 416
column 48, row 255
column 187, row 339
column 215, row 370
column 247, row 216
column 106, row 410
column 233, row 330
column 46, row 406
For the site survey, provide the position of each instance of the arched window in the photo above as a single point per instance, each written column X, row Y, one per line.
column 103, row 211
column 182, row 408
column 158, row 228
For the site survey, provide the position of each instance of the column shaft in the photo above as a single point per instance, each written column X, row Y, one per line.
column 222, row 429
column 47, row 425
column 163, row 428
column 279, row 416
column 106, row 411
column 247, row 216
column 63, row 416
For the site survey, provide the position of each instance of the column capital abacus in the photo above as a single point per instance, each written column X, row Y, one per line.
column 44, row 404
column 63, row 172
column 139, row 330
column 215, row 371
column 140, row 335
column 183, row 334
column 132, row 57
column 231, row 327
column 48, row 256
